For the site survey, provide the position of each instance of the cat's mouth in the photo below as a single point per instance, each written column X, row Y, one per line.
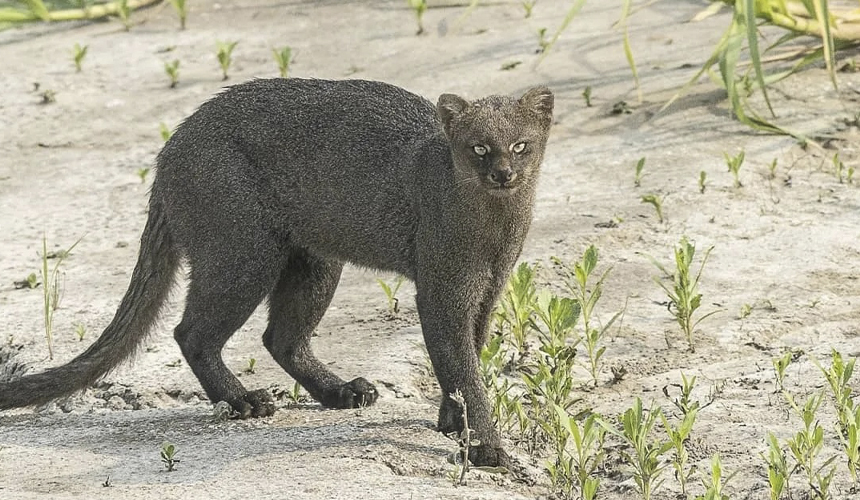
column 502, row 190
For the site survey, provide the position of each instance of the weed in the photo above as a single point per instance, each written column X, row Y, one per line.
column 225, row 56
column 80, row 53
column 464, row 441
column 586, row 94
column 678, row 436
column 587, row 294
column 124, row 14
column 838, row 168
column 684, row 296
column 419, row 7
column 518, row 305
column 838, row 376
column 703, row 179
column 771, row 169
column 528, row 6
column 577, row 469
column 168, row 456
column 780, row 364
column 172, row 70
column 506, row 406
column 391, row 294
column 165, row 131
column 51, row 288
column 250, row 369
column 283, row 56
column 806, row 445
column 657, row 202
column 637, row 179
column 734, row 163
column 745, row 311
column 295, row 395
column 80, row 331
column 851, row 444
column 543, row 43
column 142, row 173
column 684, row 402
column 181, row 8
column 645, row 457
column 714, row 484
column 778, row 471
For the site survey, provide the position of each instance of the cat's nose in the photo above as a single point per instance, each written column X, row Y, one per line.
column 503, row 176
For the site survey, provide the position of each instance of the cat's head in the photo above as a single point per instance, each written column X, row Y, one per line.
column 497, row 142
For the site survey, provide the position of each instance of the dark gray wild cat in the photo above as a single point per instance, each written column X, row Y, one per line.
column 271, row 186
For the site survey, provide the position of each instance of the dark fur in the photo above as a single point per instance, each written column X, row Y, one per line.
column 270, row 187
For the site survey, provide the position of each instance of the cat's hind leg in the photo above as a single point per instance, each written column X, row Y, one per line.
column 296, row 305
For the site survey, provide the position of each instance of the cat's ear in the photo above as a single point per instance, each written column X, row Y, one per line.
column 539, row 100
column 449, row 106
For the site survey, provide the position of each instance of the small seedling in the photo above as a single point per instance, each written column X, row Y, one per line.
column 734, row 163
column 80, row 331
column 581, row 466
column 168, row 456
column 771, row 169
column 657, row 202
column 586, row 94
column 678, row 437
column 250, row 368
column 543, row 41
column 778, row 471
column 142, row 173
column 714, row 484
column 181, row 9
column 165, row 131
column 419, row 7
column 172, row 70
column 225, row 56
column 839, row 168
column 391, row 294
column 80, row 53
column 52, row 291
column 645, row 458
column 780, row 364
column 283, row 56
column 518, row 305
column 808, row 443
column 637, row 180
column 528, row 6
column 838, row 376
column 124, row 13
column 703, row 179
column 684, row 296
column 48, row 96
column 510, row 65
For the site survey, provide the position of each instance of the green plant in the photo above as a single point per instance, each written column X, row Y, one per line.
column 851, row 444
column 587, row 294
column 838, row 376
column 806, row 445
column 684, row 296
column 528, row 6
column 714, row 484
column 734, row 163
column 419, row 7
column 517, row 306
column 391, row 294
column 637, row 180
column 168, row 456
column 142, row 173
column 250, row 369
column 51, row 288
column 543, row 43
column 225, row 56
column 645, row 458
column 780, row 364
column 80, row 331
column 32, row 281
column 165, row 131
column 839, row 168
column 678, row 436
column 771, row 169
column 577, row 469
column 172, row 70
column 586, row 94
column 80, row 53
column 283, row 56
column 657, row 202
column 684, row 401
column 778, row 471
column 181, row 8
column 703, row 178
column 123, row 11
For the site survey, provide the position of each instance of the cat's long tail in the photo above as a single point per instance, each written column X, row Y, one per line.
column 150, row 286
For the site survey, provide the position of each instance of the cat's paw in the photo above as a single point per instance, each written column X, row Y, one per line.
column 253, row 404
column 353, row 394
column 489, row 456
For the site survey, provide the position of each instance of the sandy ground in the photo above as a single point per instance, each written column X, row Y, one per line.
column 788, row 246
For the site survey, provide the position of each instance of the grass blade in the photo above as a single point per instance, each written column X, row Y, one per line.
column 571, row 13
column 628, row 52
column 752, row 43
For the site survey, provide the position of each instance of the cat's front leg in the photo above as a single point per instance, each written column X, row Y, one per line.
column 448, row 310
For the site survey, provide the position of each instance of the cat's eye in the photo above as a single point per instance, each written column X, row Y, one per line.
column 518, row 147
column 480, row 150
